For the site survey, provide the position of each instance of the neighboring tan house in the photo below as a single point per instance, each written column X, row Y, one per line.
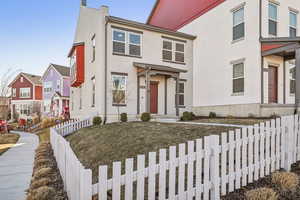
column 246, row 54
column 125, row 66
column 4, row 107
column 56, row 90
column 27, row 95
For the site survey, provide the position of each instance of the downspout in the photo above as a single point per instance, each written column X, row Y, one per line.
column 105, row 74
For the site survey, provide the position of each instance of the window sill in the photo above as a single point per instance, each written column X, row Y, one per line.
column 238, row 94
column 237, row 40
column 170, row 61
column 181, row 106
column 126, row 55
column 119, row 105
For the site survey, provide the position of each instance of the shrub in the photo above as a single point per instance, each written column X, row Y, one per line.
column 42, row 173
column 212, row 115
column 285, row 180
column 261, row 194
column 97, row 121
column 251, row 115
column 187, row 116
column 146, row 117
column 124, row 117
column 40, row 182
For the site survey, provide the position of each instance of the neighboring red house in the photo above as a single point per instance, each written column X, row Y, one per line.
column 27, row 95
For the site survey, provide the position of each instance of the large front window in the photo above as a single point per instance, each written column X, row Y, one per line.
column 173, row 51
column 126, row 43
column 24, row 92
column 238, row 24
column 293, row 24
column 25, row 109
column 273, row 19
column 119, row 83
column 47, row 87
column 238, row 78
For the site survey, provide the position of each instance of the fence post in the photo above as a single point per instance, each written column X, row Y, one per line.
column 215, row 169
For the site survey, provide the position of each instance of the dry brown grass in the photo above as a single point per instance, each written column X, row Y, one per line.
column 285, row 180
column 261, row 194
column 7, row 141
column 42, row 173
column 41, row 182
column 42, row 193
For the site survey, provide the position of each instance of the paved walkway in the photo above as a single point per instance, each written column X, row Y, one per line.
column 16, row 167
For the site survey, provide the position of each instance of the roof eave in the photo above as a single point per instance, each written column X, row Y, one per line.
column 152, row 11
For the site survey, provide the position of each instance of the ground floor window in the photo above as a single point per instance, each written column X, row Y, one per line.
column 25, row 109
column 181, row 94
column 119, row 84
column 292, row 79
column 238, row 78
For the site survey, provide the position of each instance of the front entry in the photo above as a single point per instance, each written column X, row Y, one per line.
column 273, row 84
column 154, row 97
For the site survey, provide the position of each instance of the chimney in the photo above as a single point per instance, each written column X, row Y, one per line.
column 83, row 2
column 105, row 10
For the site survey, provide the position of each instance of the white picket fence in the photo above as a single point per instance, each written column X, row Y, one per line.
column 203, row 169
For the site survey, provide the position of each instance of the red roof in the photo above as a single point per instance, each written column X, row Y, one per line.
column 174, row 14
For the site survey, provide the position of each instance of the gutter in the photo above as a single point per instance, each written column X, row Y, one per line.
column 105, row 74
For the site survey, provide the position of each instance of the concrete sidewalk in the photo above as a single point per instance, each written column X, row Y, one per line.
column 16, row 167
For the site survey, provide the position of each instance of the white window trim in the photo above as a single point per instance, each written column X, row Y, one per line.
column 269, row 18
column 173, row 42
column 234, row 25
column 93, row 91
column 126, row 91
column 238, row 93
column 93, row 41
column 291, row 78
column 182, row 82
column 25, row 97
column 290, row 26
column 127, row 42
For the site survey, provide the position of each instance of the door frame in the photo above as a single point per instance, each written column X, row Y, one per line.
column 276, row 77
column 156, row 84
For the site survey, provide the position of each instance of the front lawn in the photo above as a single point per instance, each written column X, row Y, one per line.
column 103, row 145
column 7, row 140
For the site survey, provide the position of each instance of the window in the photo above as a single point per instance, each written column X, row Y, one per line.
column 273, row 19
column 72, row 100
column 21, row 79
column 173, row 51
column 126, row 43
column 25, row 109
column 238, row 24
column 238, row 78
column 58, row 84
column 93, row 91
column 292, row 79
column 119, row 83
column 293, row 24
column 14, row 92
column 47, row 87
column 24, row 92
column 181, row 94
column 93, row 48
column 80, row 98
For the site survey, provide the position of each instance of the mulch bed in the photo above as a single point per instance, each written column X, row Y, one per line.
column 266, row 182
column 46, row 182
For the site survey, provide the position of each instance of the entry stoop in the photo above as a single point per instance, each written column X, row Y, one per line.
column 164, row 118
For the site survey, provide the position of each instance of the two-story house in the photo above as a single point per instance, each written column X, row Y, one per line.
column 56, row 90
column 26, row 95
column 246, row 54
column 118, row 65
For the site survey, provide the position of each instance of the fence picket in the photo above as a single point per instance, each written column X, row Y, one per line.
column 140, row 177
column 102, row 186
column 267, row 148
column 181, row 171
column 116, row 181
column 224, row 150
column 129, row 179
column 151, row 178
column 206, row 182
column 190, row 174
column 215, row 190
column 172, row 171
column 250, row 154
column 262, row 150
column 162, row 174
column 231, row 161
column 244, row 156
column 199, row 156
column 238, row 159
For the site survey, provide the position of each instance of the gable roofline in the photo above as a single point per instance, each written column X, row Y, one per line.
column 73, row 47
column 51, row 65
column 26, row 75
column 190, row 19
column 148, row 27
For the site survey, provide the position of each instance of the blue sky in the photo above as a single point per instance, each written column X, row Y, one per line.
column 34, row 33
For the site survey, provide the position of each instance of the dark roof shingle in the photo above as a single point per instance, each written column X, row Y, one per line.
column 33, row 78
column 63, row 70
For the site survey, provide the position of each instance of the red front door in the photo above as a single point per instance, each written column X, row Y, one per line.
column 273, row 84
column 154, row 97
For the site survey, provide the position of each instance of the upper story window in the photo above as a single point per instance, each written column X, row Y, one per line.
column 293, row 24
column 14, row 92
column 173, row 51
column 238, row 24
column 48, row 87
column 93, row 48
column 24, row 92
column 21, row 79
column 273, row 19
column 126, row 43
column 238, row 78
column 58, row 84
